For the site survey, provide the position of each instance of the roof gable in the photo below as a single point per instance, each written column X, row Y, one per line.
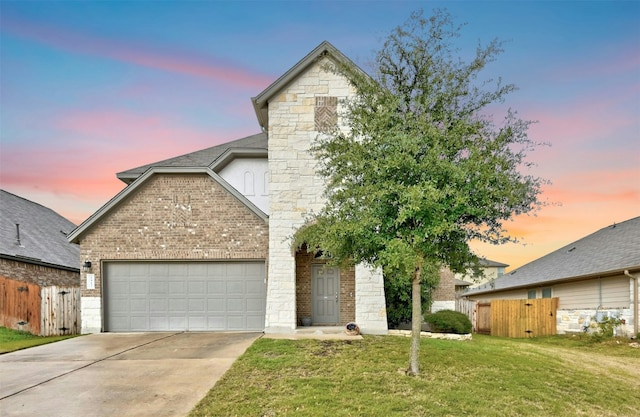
column 199, row 159
column 261, row 101
column 122, row 195
column 610, row 250
column 42, row 234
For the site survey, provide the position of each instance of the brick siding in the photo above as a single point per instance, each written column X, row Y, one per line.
column 41, row 275
column 446, row 288
column 175, row 217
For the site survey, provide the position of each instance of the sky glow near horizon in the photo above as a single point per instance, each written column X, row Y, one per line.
column 89, row 89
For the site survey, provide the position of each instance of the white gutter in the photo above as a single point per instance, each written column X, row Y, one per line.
column 635, row 301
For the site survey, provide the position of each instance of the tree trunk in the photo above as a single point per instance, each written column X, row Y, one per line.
column 416, row 323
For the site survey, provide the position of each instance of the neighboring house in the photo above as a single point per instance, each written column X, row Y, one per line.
column 444, row 296
column 491, row 270
column 595, row 276
column 203, row 241
column 34, row 254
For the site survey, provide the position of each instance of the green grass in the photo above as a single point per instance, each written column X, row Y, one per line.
column 485, row 377
column 11, row 340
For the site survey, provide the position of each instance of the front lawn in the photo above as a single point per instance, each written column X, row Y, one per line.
column 483, row 377
column 11, row 340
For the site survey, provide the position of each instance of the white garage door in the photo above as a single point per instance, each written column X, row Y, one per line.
column 170, row 296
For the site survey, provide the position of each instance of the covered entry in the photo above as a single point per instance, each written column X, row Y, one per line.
column 184, row 296
column 325, row 294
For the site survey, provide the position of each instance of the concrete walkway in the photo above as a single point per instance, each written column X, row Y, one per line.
column 116, row 374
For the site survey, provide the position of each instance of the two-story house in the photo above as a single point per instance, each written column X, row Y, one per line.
column 203, row 241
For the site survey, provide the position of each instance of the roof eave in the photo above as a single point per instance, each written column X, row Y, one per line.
column 602, row 274
column 232, row 153
column 39, row 262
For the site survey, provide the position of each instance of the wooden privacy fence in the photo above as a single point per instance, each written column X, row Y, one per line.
column 523, row 318
column 44, row 311
column 468, row 308
column 511, row 318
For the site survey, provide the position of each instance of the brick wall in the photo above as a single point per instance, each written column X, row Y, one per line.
column 43, row 276
column 446, row 289
column 172, row 217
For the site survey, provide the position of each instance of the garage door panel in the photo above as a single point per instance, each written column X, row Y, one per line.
column 216, row 323
column 235, row 321
column 215, row 287
column 255, row 321
column 159, row 287
column 139, row 323
column 136, row 305
column 178, row 296
column 177, row 288
column 197, row 306
column 158, row 305
column 197, row 287
column 177, row 305
column 198, row 270
column 235, row 304
column 255, row 306
column 197, row 323
column 138, row 287
column 235, row 288
column 254, row 288
column 216, row 305
column 216, row 269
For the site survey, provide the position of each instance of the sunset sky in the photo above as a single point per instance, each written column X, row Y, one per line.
column 89, row 89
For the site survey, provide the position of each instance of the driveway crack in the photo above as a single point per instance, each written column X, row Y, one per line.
column 89, row 364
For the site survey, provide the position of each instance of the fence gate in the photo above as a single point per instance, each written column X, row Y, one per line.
column 60, row 311
column 483, row 318
column 523, row 318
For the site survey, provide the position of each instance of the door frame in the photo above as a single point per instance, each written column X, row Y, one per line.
column 314, row 268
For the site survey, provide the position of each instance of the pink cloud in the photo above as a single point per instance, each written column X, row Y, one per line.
column 85, row 151
column 173, row 61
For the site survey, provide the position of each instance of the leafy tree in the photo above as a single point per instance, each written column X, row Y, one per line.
column 423, row 169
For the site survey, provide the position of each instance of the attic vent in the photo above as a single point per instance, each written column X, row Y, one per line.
column 326, row 114
column 571, row 250
column 513, row 272
column 18, row 242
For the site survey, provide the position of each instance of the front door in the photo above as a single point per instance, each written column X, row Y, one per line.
column 325, row 294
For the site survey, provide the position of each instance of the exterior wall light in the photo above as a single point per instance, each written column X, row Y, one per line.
column 86, row 266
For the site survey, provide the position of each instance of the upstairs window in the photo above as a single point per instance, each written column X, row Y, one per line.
column 326, row 114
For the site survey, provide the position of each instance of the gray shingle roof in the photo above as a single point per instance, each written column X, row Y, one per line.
column 198, row 159
column 609, row 250
column 43, row 233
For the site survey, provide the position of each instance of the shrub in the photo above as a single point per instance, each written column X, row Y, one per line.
column 397, row 293
column 449, row 321
column 607, row 325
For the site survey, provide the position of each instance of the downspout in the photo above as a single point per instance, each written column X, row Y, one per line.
column 635, row 301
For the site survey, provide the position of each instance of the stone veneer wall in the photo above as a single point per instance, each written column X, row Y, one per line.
column 295, row 188
column 574, row 321
column 170, row 217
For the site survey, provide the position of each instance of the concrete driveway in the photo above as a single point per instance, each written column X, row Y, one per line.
column 117, row 374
